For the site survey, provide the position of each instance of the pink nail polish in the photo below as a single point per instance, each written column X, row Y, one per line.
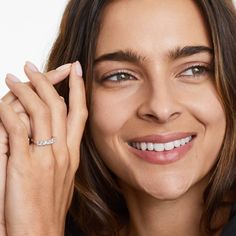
column 78, row 68
column 64, row 67
column 31, row 66
column 12, row 78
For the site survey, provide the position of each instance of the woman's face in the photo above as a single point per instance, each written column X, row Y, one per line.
column 156, row 119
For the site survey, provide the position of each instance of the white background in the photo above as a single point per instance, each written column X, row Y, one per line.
column 27, row 31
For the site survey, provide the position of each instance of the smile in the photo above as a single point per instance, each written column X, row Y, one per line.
column 160, row 147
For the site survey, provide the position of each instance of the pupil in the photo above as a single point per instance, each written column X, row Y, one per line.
column 122, row 76
column 196, row 70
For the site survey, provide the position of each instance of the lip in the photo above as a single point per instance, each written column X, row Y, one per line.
column 164, row 157
column 162, row 138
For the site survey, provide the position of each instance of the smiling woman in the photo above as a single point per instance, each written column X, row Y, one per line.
column 158, row 151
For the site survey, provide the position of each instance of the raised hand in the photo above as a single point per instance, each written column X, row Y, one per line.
column 53, row 77
column 40, row 179
column 3, row 166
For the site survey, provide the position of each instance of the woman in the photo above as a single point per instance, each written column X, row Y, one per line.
column 158, row 149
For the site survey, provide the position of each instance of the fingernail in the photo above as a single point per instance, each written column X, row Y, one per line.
column 12, row 78
column 31, row 66
column 64, row 67
column 78, row 68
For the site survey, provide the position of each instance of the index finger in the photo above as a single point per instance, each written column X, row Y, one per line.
column 54, row 76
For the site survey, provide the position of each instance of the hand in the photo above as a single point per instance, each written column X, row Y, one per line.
column 40, row 179
column 3, row 165
column 53, row 77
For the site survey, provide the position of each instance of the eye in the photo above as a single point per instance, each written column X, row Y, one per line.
column 195, row 71
column 119, row 77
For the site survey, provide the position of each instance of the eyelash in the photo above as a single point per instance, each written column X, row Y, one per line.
column 121, row 72
column 202, row 68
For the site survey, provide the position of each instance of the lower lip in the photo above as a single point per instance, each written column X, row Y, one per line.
column 165, row 157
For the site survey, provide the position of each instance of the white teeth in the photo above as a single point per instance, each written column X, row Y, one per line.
column 138, row 145
column 150, row 146
column 169, row 146
column 143, row 146
column 177, row 143
column 187, row 140
column 182, row 141
column 159, row 147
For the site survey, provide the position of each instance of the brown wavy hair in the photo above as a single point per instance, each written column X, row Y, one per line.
column 98, row 207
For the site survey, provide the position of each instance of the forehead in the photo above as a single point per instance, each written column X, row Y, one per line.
column 153, row 26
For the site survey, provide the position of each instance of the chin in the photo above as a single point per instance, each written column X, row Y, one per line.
column 168, row 190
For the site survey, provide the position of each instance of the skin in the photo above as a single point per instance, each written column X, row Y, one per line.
column 53, row 77
column 161, row 96
column 29, row 195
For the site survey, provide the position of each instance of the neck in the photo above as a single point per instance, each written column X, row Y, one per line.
column 150, row 216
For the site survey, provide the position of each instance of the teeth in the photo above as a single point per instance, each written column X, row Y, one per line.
column 143, row 146
column 159, row 147
column 150, row 146
column 169, row 146
column 176, row 143
column 182, row 141
column 138, row 145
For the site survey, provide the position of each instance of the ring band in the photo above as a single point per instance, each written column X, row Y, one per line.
column 43, row 142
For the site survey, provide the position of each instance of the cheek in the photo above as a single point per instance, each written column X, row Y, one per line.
column 111, row 111
column 205, row 107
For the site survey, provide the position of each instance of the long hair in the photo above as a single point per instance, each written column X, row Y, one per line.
column 98, row 206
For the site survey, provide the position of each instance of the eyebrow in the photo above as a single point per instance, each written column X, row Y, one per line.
column 133, row 57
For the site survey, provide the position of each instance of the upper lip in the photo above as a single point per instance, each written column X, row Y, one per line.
column 162, row 138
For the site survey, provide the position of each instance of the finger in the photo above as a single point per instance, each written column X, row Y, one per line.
column 20, row 110
column 57, row 107
column 18, row 138
column 38, row 112
column 59, row 74
column 3, row 167
column 26, row 120
column 17, row 106
column 4, row 151
column 78, row 113
column 54, row 76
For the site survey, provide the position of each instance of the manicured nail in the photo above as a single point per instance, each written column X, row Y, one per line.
column 78, row 68
column 64, row 67
column 31, row 66
column 12, row 78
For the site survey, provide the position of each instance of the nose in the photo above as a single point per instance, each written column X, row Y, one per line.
column 159, row 103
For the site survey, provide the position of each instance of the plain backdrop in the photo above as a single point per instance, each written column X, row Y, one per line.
column 27, row 31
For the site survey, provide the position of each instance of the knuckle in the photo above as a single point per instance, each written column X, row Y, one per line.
column 61, row 106
column 43, row 112
column 3, row 148
column 3, row 134
column 84, row 114
column 18, row 128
